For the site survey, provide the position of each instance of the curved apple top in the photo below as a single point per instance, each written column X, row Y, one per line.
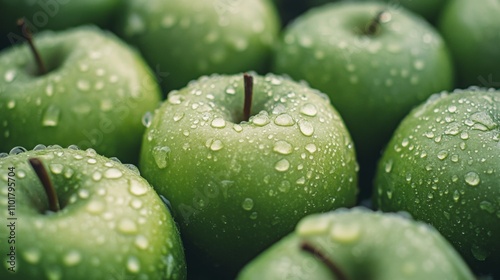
column 442, row 166
column 373, row 77
column 238, row 186
column 112, row 224
column 359, row 244
column 184, row 40
column 55, row 14
column 94, row 95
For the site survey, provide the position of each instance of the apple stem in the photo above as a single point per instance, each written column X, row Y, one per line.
column 247, row 106
column 44, row 178
column 26, row 32
column 307, row 247
column 374, row 25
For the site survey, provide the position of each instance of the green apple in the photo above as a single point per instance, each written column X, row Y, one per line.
column 359, row 244
column 238, row 185
column 187, row 39
column 94, row 93
column 374, row 62
column 471, row 31
column 442, row 166
column 111, row 224
column 429, row 9
column 54, row 14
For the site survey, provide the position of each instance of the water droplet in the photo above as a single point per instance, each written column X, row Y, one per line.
column 91, row 160
column 464, row 135
column 51, row 116
column 311, row 148
column 306, row 128
column 83, row 85
column 10, row 75
column 113, row 173
column 284, row 120
column 419, row 64
column 127, row 226
column 260, row 119
column 161, row 155
column 388, row 166
column 237, row 128
column 345, row 233
column 483, row 121
column 147, row 118
column 283, row 147
column 309, row 110
column 83, row 193
column 218, row 123
column 215, row 145
column 53, row 273
column 133, row 264
column 95, row 207
column 137, row 188
column 11, row 104
column 311, row 226
column 247, row 204
column 442, row 154
column 253, row 216
column 168, row 21
column 284, row 186
column 72, row 258
column 178, row 116
column 487, row 206
column 472, row 179
column 282, row 165
column 56, row 168
column 141, row 242
column 452, row 108
column 479, row 253
column 32, row 255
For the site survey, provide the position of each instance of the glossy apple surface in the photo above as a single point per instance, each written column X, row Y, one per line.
column 112, row 224
column 359, row 244
column 94, row 94
column 442, row 166
column 237, row 186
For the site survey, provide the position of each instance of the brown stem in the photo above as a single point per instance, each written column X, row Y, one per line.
column 26, row 32
column 44, row 178
column 247, row 106
column 374, row 25
column 307, row 247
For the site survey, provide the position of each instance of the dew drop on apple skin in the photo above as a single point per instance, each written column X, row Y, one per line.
column 31, row 255
column 161, row 155
column 247, row 204
column 283, row 147
column 51, row 115
column 472, row 179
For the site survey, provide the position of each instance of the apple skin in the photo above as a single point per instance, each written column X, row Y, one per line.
column 441, row 166
column 372, row 80
column 471, row 32
column 187, row 39
column 55, row 14
column 94, row 95
column 364, row 245
column 236, row 187
column 112, row 224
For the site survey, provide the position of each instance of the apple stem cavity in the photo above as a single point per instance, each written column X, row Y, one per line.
column 374, row 26
column 44, row 178
column 26, row 32
column 247, row 106
column 309, row 248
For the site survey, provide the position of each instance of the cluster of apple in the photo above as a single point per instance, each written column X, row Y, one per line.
column 277, row 119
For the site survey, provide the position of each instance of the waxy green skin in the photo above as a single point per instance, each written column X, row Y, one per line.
column 54, row 14
column 442, row 167
column 471, row 31
column 112, row 224
column 372, row 80
column 363, row 245
column 187, row 39
column 237, row 187
column 94, row 95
